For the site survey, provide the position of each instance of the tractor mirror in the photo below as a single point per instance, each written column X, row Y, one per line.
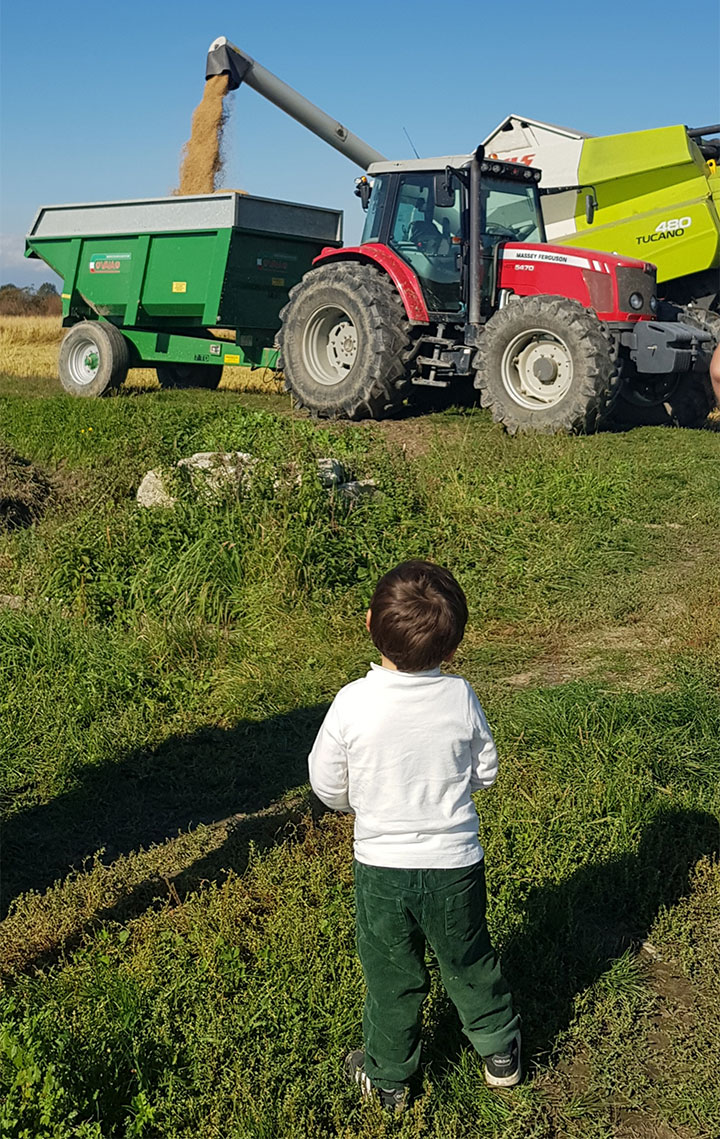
column 590, row 207
column 445, row 190
column 363, row 190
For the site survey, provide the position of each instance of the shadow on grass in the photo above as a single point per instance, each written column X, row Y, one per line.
column 573, row 930
column 150, row 797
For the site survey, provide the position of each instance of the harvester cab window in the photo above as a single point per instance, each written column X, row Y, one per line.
column 428, row 237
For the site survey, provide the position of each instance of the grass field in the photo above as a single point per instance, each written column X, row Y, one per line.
column 177, row 951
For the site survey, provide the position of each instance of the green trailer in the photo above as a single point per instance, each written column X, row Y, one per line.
column 149, row 283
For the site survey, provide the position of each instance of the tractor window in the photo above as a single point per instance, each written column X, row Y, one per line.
column 511, row 212
column 428, row 238
column 375, row 210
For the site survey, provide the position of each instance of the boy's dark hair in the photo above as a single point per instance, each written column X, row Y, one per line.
column 418, row 615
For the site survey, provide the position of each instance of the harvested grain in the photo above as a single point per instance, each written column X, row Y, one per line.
column 202, row 155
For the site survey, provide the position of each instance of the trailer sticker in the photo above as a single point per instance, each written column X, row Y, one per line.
column 179, row 286
column 107, row 262
column 278, row 282
column 231, row 358
column 266, row 261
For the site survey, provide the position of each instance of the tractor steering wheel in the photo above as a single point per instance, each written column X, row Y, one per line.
column 493, row 229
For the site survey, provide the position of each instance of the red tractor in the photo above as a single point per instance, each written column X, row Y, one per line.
column 453, row 279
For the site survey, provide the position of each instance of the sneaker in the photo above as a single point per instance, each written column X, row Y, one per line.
column 502, row 1069
column 391, row 1099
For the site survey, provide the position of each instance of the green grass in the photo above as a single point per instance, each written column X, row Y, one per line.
column 178, row 951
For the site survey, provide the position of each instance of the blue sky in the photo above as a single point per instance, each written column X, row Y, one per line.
column 97, row 100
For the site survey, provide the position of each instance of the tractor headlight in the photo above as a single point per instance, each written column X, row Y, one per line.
column 653, row 304
column 637, row 300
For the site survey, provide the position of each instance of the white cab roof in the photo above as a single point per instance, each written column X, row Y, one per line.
column 440, row 163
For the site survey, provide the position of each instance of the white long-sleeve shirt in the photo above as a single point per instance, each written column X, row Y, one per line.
column 404, row 751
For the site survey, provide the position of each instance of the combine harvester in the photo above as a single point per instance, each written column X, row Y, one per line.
column 453, row 280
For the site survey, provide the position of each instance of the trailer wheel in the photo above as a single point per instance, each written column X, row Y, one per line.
column 189, row 375
column 546, row 364
column 344, row 341
column 94, row 358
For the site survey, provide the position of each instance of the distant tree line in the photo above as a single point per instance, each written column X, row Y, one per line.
column 29, row 301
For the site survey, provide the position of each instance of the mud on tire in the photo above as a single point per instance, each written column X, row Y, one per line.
column 344, row 342
column 546, row 364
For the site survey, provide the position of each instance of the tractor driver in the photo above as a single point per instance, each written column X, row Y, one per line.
column 425, row 234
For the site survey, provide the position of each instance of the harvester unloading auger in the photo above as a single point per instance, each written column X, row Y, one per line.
column 452, row 281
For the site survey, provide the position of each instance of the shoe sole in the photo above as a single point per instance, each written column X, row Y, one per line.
column 503, row 1081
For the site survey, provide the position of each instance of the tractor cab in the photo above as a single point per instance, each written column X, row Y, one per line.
column 422, row 210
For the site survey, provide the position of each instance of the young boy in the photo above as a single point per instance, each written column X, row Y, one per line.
column 404, row 748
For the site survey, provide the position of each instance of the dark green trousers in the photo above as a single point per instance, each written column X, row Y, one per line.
column 397, row 913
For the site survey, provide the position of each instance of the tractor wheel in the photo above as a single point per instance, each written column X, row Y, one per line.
column 668, row 401
column 94, row 358
column 703, row 318
column 189, row 375
column 344, row 341
column 673, row 400
column 546, row 364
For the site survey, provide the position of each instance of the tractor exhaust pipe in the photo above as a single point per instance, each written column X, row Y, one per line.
column 475, row 251
column 225, row 58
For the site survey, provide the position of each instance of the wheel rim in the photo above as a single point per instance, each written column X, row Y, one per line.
column 330, row 345
column 84, row 361
column 537, row 369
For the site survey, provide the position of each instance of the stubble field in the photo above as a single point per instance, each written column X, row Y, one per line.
column 177, row 944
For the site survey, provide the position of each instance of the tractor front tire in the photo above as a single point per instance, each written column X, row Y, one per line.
column 189, row 375
column 546, row 364
column 344, row 342
column 94, row 359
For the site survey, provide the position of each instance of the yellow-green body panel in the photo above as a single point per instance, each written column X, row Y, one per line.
column 657, row 199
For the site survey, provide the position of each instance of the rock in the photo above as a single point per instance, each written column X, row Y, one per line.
column 212, row 472
column 153, row 492
column 331, row 473
column 357, row 488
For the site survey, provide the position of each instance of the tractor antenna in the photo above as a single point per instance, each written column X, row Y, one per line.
column 411, row 142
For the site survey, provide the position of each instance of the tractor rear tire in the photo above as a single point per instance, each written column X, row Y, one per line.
column 548, row 365
column 344, row 342
column 94, row 359
column 189, row 375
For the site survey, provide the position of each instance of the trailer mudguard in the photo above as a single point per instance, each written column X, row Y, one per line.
column 398, row 270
